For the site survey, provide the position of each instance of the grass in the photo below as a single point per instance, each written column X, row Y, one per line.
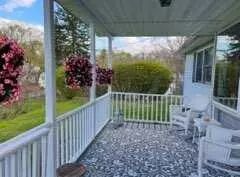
column 33, row 116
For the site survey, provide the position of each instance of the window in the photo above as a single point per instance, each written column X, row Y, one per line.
column 207, row 66
column 202, row 66
column 227, row 72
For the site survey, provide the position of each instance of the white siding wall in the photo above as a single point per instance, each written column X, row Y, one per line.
column 191, row 88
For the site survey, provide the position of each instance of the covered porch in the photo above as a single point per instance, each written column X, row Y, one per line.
column 143, row 149
column 145, row 145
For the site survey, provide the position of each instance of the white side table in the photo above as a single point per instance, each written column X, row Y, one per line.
column 200, row 125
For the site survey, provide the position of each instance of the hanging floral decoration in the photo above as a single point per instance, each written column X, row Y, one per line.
column 78, row 71
column 104, row 75
column 11, row 68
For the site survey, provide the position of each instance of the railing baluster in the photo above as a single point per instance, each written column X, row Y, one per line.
column 147, row 108
column 13, row 169
column 81, row 132
column 116, row 103
column 19, row 162
column 85, row 128
column 71, row 136
column 161, row 120
column 134, row 106
column 62, row 141
column 129, row 107
column 7, row 166
column 29, row 160
column 74, row 135
column 156, row 115
column 24, row 161
column 121, row 102
column 78, row 132
column 166, row 109
column 152, row 105
column 125, row 107
column 58, row 144
column 138, row 107
column 66, row 141
column 34, row 159
column 44, row 155
column 143, row 108
column 1, row 168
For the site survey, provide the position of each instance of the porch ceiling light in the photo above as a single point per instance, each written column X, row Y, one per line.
column 165, row 3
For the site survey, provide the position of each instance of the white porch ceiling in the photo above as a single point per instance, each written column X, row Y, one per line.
column 148, row 18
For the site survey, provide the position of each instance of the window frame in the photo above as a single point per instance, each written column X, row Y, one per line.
column 203, row 66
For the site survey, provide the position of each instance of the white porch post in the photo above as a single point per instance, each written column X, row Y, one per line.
column 213, row 76
column 238, row 99
column 93, row 61
column 110, row 58
column 50, row 82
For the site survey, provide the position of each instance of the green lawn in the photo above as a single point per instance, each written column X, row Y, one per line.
column 32, row 116
column 33, row 113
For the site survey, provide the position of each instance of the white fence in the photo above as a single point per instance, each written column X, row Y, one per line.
column 150, row 108
column 77, row 129
column 26, row 155
column 228, row 101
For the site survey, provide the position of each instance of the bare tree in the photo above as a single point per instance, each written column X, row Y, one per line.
column 168, row 51
column 25, row 36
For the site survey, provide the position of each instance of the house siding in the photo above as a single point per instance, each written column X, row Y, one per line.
column 227, row 120
column 191, row 88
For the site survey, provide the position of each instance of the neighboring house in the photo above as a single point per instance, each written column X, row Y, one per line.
column 212, row 68
column 41, row 80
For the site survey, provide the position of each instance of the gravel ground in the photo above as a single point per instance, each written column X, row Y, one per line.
column 142, row 150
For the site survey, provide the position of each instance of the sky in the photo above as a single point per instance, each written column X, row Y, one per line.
column 31, row 12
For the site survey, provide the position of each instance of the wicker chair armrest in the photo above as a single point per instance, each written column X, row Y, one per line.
column 229, row 145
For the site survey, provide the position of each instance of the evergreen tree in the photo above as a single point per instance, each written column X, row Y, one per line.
column 72, row 34
column 233, row 53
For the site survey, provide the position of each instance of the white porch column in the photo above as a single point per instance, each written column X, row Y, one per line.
column 50, row 82
column 110, row 58
column 213, row 76
column 238, row 102
column 93, row 61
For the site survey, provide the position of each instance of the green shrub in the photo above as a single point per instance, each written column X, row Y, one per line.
column 141, row 77
column 62, row 89
column 101, row 90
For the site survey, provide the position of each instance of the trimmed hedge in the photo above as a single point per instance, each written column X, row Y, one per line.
column 141, row 77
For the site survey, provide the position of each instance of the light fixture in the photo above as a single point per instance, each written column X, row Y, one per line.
column 165, row 3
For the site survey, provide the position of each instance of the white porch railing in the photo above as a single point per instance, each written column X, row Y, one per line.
column 152, row 108
column 228, row 101
column 77, row 129
column 26, row 155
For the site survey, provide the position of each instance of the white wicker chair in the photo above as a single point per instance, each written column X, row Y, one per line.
column 197, row 104
column 180, row 117
column 219, row 150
